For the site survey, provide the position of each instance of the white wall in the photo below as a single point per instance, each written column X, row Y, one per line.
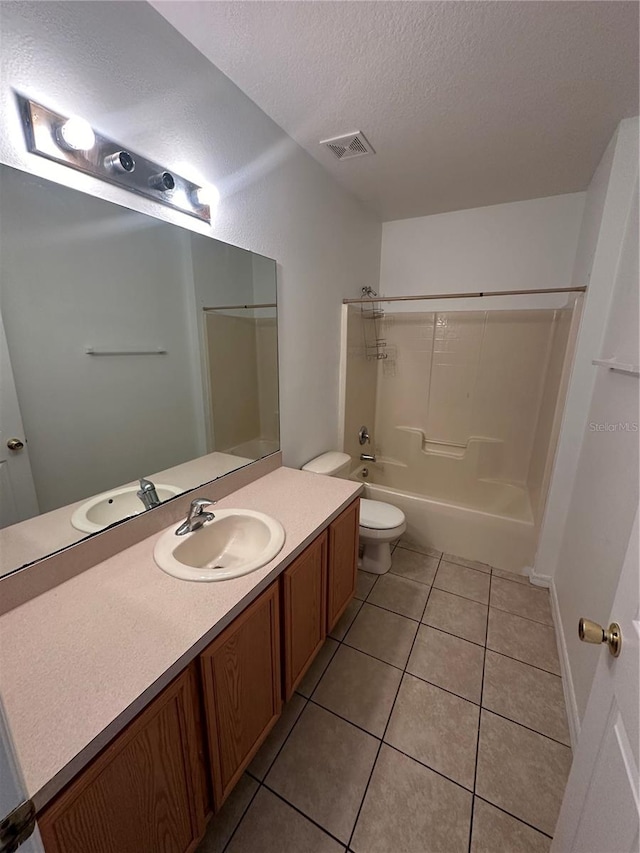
column 123, row 67
column 594, row 490
column 77, row 272
column 604, row 500
column 607, row 207
column 517, row 246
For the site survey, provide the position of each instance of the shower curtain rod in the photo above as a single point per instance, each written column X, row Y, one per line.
column 235, row 307
column 368, row 300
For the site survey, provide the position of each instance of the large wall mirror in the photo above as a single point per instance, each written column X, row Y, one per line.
column 130, row 348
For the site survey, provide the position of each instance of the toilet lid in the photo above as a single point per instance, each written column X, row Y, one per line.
column 379, row 516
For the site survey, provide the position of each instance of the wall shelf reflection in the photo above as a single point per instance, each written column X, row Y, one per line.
column 132, row 351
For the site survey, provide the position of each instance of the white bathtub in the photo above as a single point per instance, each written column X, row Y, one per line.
column 502, row 533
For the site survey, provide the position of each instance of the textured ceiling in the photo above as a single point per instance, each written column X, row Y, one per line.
column 466, row 103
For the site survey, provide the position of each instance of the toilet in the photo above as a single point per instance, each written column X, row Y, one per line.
column 380, row 523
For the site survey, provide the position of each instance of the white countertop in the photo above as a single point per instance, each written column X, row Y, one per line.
column 78, row 662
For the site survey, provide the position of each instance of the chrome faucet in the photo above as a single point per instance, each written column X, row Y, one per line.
column 367, row 457
column 196, row 516
column 148, row 494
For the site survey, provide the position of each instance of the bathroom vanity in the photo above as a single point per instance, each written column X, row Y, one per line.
column 137, row 700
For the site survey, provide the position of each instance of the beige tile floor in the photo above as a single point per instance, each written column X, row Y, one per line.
column 431, row 721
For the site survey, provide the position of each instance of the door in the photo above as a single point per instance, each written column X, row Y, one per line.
column 242, row 690
column 17, row 493
column 601, row 807
column 304, row 585
column 146, row 792
column 343, row 562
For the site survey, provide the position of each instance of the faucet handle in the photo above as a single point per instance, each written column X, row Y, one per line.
column 198, row 505
column 196, row 517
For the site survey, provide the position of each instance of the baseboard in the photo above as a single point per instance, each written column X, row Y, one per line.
column 539, row 580
column 573, row 718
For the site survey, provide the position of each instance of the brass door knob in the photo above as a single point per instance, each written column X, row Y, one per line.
column 591, row 632
column 15, row 444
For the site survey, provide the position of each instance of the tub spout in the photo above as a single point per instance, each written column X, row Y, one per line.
column 367, row 457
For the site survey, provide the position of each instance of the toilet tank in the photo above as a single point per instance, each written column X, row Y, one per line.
column 332, row 464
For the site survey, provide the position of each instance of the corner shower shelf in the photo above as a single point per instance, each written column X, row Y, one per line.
column 372, row 316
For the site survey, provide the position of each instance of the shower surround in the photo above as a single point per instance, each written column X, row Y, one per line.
column 464, row 412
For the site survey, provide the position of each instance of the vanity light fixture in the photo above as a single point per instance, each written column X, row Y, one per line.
column 207, row 197
column 163, row 181
column 121, row 161
column 72, row 142
column 75, row 134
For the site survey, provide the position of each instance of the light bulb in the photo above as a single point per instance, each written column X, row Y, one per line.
column 207, row 196
column 76, row 134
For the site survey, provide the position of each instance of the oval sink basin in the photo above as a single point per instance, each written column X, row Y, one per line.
column 236, row 542
column 105, row 509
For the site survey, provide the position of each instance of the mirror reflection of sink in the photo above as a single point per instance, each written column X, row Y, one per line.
column 105, row 509
column 236, row 542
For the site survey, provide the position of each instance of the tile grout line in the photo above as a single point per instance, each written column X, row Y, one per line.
column 393, row 704
column 520, row 616
column 381, row 742
column 475, row 772
column 407, row 755
column 388, row 610
column 242, row 816
column 525, row 662
column 466, row 597
column 438, row 686
column 523, row 580
column 309, row 699
column 522, row 726
column 413, row 550
column 300, row 812
column 519, row 819
column 368, row 654
column 345, row 720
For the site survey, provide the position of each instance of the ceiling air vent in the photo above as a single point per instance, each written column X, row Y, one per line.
column 351, row 145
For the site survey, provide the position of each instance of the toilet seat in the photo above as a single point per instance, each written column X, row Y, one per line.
column 376, row 515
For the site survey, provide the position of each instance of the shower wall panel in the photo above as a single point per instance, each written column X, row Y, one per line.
column 403, row 379
column 550, row 411
column 461, row 376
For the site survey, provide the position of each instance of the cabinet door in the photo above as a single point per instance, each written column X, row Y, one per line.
column 145, row 793
column 343, row 562
column 242, row 691
column 304, row 611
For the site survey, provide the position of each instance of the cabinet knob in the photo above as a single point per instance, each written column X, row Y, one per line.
column 591, row 632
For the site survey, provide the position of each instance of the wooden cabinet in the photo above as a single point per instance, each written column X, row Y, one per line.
column 304, row 611
column 343, row 562
column 242, row 690
column 146, row 792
